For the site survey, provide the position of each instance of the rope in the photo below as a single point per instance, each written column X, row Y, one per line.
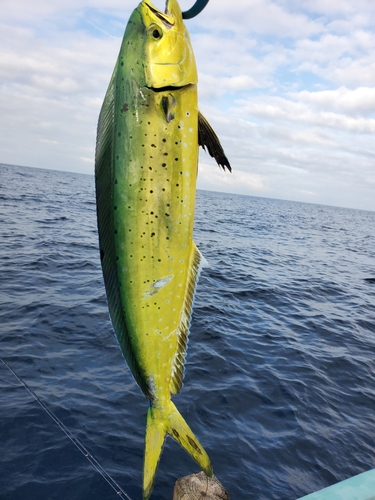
column 119, row 491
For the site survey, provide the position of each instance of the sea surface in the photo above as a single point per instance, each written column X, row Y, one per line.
column 280, row 376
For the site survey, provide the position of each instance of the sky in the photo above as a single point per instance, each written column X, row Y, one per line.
column 288, row 86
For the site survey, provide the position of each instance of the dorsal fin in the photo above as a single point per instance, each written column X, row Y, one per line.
column 208, row 139
column 104, row 174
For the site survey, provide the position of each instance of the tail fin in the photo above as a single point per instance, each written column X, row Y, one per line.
column 162, row 421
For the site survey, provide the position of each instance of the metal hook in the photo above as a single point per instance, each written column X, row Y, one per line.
column 195, row 10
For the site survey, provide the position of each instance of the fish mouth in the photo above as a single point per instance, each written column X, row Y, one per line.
column 168, row 88
column 167, row 20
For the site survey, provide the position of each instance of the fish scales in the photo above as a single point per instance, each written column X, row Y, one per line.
column 154, row 196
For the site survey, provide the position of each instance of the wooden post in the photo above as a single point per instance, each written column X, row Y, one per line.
column 199, row 487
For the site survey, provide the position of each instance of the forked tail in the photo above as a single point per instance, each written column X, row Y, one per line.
column 162, row 421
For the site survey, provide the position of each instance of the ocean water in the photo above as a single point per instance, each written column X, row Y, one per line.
column 280, row 374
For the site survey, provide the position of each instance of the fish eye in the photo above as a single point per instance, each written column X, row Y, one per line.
column 156, row 32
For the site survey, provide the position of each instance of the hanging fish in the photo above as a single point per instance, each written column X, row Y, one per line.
column 146, row 162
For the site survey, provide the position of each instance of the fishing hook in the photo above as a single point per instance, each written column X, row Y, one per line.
column 195, row 9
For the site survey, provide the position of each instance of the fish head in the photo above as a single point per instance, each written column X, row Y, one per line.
column 169, row 57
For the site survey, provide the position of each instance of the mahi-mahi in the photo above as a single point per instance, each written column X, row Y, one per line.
column 146, row 162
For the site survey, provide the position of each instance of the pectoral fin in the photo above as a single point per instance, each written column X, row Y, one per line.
column 208, row 139
column 168, row 103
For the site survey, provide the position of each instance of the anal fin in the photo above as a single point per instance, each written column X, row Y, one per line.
column 197, row 261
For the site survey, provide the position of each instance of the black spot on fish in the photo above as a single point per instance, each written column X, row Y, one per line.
column 164, row 140
column 153, row 146
column 125, row 107
column 176, row 159
column 193, row 444
column 174, row 430
column 152, row 234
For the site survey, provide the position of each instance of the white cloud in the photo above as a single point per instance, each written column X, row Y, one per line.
column 286, row 110
column 360, row 101
column 257, row 16
column 341, row 59
column 289, row 87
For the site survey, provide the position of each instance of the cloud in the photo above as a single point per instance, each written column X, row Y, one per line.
column 288, row 86
column 357, row 102
column 240, row 182
column 341, row 59
column 258, row 16
column 281, row 109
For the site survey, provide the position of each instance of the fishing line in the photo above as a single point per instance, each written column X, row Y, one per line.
column 119, row 491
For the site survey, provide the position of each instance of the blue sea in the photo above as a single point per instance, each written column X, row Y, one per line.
column 280, row 376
